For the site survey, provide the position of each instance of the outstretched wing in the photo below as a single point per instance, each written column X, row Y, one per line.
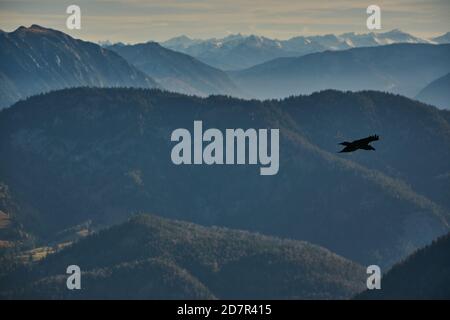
column 367, row 140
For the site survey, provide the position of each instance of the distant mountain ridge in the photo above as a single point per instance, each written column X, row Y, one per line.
column 398, row 68
column 445, row 38
column 241, row 51
column 176, row 71
column 437, row 93
column 36, row 59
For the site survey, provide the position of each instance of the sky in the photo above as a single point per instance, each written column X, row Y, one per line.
column 135, row 21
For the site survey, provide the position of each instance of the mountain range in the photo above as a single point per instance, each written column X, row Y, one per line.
column 99, row 155
column 86, row 153
column 36, row 59
column 399, row 68
column 240, row 51
column 176, row 71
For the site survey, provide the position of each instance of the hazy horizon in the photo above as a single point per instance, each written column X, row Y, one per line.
column 140, row 21
column 205, row 39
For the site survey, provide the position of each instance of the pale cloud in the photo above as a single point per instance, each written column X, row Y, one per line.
column 139, row 20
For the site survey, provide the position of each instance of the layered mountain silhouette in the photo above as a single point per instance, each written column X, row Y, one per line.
column 397, row 68
column 423, row 275
column 36, row 59
column 153, row 258
column 176, row 71
column 99, row 155
column 240, row 51
column 437, row 93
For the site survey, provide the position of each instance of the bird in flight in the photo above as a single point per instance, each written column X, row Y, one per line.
column 363, row 144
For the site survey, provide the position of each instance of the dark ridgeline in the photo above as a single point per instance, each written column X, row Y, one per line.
column 423, row 275
column 101, row 154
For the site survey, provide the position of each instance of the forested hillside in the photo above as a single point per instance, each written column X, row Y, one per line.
column 154, row 258
column 80, row 155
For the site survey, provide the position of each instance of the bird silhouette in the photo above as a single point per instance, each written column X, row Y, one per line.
column 363, row 144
